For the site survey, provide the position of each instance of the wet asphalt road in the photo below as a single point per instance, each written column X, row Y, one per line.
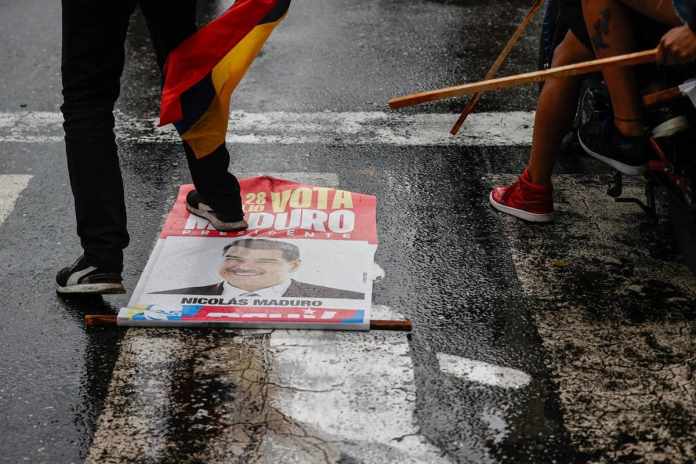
column 448, row 265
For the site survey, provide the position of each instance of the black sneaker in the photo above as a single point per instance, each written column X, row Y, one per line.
column 83, row 278
column 196, row 205
column 601, row 140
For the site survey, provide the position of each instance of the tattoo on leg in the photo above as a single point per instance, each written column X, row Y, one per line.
column 601, row 28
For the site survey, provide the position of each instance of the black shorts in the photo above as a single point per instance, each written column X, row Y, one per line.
column 648, row 31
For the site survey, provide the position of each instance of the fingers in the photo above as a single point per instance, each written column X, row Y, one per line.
column 677, row 46
column 674, row 54
column 666, row 48
column 661, row 53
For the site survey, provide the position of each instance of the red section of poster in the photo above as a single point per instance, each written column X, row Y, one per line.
column 277, row 208
column 263, row 314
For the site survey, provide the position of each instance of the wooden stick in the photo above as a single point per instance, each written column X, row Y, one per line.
column 647, row 56
column 109, row 320
column 662, row 96
column 99, row 320
column 471, row 105
column 402, row 326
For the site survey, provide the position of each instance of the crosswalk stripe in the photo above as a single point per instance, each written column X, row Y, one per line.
column 286, row 128
column 144, row 408
column 358, row 389
column 482, row 372
column 11, row 186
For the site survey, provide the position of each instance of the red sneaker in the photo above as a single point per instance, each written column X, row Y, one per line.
column 524, row 199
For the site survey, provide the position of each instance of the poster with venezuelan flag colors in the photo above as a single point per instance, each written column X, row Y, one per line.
column 306, row 261
column 203, row 71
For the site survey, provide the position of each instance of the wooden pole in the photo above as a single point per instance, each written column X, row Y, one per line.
column 662, row 96
column 401, row 326
column 100, row 320
column 647, row 56
column 471, row 105
column 109, row 320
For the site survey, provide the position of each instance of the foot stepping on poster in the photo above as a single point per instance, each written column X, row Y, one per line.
column 305, row 262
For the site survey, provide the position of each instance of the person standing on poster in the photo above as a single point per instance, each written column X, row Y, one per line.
column 94, row 36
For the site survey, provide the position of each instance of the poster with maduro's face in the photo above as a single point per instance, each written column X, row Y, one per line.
column 306, row 261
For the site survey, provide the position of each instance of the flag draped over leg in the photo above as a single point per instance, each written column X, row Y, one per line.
column 203, row 71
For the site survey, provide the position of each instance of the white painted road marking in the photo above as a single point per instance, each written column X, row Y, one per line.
column 11, row 186
column 481, row 372
column 283, row 128
column 145, row 398
column 356, row 388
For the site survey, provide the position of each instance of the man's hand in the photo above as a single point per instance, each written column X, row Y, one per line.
column 677, row 46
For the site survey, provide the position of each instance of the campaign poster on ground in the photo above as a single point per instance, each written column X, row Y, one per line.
column 306, row 261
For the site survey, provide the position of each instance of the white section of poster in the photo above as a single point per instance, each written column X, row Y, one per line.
column 186, row 262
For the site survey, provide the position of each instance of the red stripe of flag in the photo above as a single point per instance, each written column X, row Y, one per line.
column 196, row 56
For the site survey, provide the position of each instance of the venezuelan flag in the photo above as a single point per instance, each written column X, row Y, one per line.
column 203, row 71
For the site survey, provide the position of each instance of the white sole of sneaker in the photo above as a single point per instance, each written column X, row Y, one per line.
column 91, row 289
column 619, row 166
column 670, row 127
column 518, row 213
column 215, row 222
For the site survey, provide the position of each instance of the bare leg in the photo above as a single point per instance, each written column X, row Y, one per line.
column 659, row 10
column 612, row 33
column 555, row 111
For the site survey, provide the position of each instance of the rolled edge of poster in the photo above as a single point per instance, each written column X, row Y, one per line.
column 110, row 320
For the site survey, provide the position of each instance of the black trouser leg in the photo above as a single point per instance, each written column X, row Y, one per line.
column 215, row 183
column 169, row 26
column 92, row 62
